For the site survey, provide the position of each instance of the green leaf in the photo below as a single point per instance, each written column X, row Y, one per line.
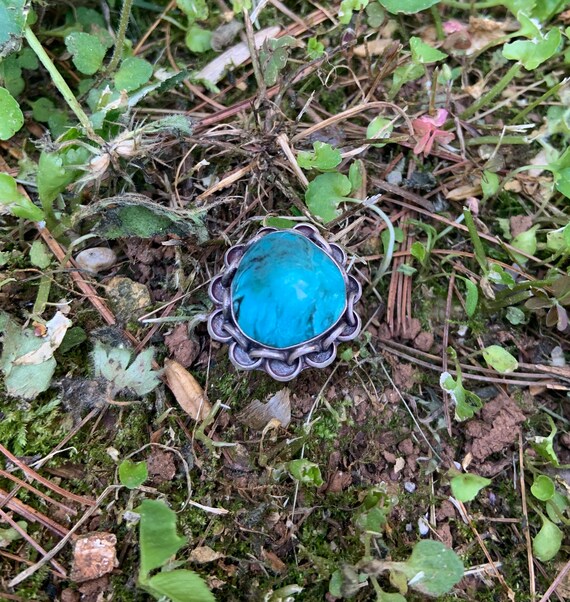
column 198, row 39
column 315, row 49
column 87, row 51
column 419, row 251
column 13, row 14
column 515, row 315
column 375, row 15
column 532, row 53
column 132, row 74
column 52, row 177
column 424, row 53
column 379, row 127
column 21, row 379
column 543, row 488
column 465, row 486
column 40, row 255
column 239, row 5
column 432, row 569
column 195, row 10
column 544, row 446
column 324, row 157
column 132, row 474
column 305, row 472
column 158, row 538
column 547, row 541
column 42, row 108
column 559, row 240
column 181, row 586
column 408, row 7
column 500, row 359
column 11, row 117
column 466, row 403
column 489, row 184
column 404, row 74
column 471, row 298
column 111, row 363
column 525, row 241
column 347, row 7
column 17, row 203
column 356, row 173
column 325, row 193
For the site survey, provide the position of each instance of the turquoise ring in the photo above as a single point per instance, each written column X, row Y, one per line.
column 284, row 301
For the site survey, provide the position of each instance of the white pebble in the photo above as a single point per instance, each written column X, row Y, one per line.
column 96, row 259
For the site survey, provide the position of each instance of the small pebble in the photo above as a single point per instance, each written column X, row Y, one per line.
column 96, row 259
column 409, row 487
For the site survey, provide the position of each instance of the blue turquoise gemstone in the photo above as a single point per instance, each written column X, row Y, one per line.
column 287, row 290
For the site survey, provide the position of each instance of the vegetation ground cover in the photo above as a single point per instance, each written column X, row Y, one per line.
column 139, row 140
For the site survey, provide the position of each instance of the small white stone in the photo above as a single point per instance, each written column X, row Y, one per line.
column 96, row 259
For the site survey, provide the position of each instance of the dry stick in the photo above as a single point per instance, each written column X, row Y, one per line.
column 156, row 23
column 482, row 235
column 556, row 582
column 444, row 350
column 8, row 519
column 526, row 526
column 483, row 547
column 29, row 513
column 39, row 493
column 32, row 569
column 261, row 85
column 32, row 473
column 489, row 371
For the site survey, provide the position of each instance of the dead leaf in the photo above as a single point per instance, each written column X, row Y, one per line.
column 215, row 70
column 204, row 554
column 274, row 562
column 399, row 466
column 56, row 329
column 463, row 192
column 258, row 415
column 185, row 388
column 372, row 48
column 94, row 556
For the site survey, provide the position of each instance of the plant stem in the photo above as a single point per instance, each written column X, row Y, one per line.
column 497, row 140
column 476, row 240
column 120, row 37
column 472, row 5
column 494, row 91
column 520, row 116
column 61, row 84
column 437, row 22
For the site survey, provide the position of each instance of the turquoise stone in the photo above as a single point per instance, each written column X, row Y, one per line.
column 286, row 290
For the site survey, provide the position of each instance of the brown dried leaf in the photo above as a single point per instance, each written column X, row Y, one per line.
column 185, row 388
column 204, row 554
column 257, row 415
column 464, row 192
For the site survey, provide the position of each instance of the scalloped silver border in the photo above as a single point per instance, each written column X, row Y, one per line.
column 281, row 364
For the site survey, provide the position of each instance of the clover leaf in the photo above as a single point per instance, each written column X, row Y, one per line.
column 325, row 193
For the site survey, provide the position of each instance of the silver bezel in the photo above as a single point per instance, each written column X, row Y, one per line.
column 282, row 364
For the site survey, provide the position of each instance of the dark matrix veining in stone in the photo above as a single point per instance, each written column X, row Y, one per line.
column 287, row 291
